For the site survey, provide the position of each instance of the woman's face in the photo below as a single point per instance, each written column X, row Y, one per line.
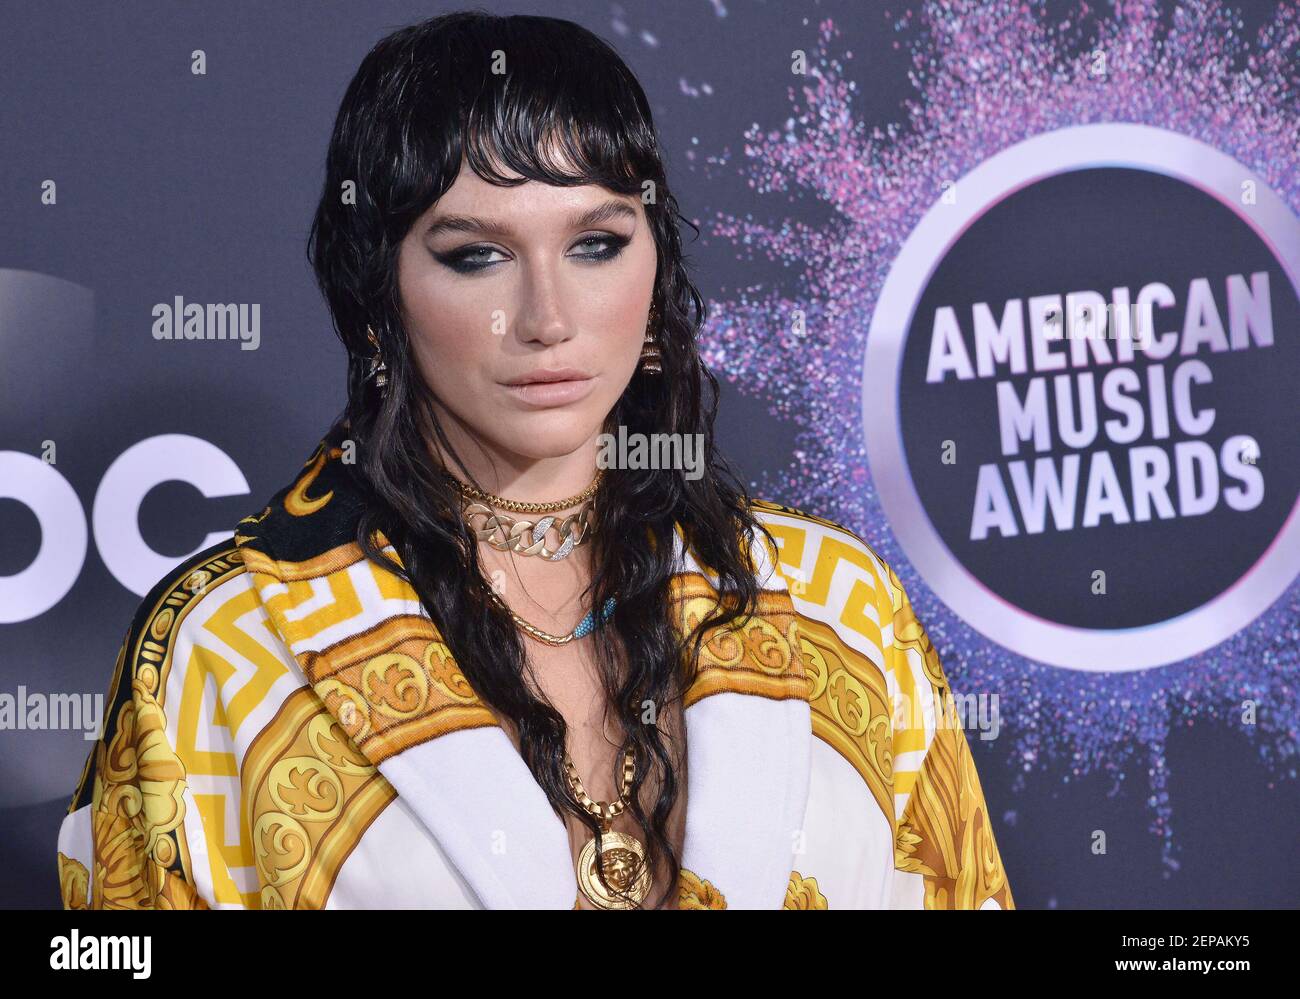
column 498, row 283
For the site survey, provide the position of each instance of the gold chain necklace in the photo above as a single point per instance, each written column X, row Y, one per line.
column 585, row 626
column 517, row 506
column 622, row 857
column 527, row 537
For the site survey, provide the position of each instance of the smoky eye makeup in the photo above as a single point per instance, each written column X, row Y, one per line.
column 477, row 257
column 468, row 259
column 611, row 244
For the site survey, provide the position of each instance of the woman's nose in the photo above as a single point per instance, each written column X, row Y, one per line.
column 543, row 317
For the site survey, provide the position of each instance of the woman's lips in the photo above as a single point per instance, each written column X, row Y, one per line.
column 544, row 395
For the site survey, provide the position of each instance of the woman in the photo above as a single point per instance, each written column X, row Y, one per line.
column 474, row 655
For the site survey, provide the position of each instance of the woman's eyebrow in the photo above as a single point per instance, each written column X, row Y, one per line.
column 603, row 212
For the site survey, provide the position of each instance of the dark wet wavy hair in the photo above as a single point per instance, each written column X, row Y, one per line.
column 423, row 98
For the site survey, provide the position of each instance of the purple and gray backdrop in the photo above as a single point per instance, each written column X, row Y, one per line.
column 899, row 205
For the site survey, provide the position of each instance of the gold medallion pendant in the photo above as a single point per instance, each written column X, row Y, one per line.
column 622, row 858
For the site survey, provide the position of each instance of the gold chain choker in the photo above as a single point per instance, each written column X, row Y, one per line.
column 528, row 537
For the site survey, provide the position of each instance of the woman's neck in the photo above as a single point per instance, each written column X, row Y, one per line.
column 516, row 476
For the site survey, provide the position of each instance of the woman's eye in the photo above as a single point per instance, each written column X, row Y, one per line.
column 611, row 245
column 473, row 258
column 479, row 258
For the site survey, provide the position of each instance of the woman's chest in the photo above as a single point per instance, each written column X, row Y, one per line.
column 602, row 773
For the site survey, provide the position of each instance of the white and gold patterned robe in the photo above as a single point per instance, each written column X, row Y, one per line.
column 287, row 730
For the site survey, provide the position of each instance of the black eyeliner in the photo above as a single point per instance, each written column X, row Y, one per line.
column 459, row 260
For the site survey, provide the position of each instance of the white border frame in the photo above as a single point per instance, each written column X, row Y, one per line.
column 1077, row 148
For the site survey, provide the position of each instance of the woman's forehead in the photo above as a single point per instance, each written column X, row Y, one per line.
column 532, row 203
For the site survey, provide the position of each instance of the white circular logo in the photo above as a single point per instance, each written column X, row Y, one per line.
column 1078, row 397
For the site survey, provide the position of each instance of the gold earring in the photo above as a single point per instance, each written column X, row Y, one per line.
column 651, row 356
column 378, row 369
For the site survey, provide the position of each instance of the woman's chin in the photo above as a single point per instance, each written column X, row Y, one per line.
column 547, row 436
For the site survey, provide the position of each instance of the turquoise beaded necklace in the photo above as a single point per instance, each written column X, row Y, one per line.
column 585, row 627
column 588, row 623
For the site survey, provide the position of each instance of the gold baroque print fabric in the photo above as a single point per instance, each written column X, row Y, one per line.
column 757, row 655
column 870, row 706
column 137, row 795
column 310, row 794
column 695, row 892
column 380, row 680
column 945, row 833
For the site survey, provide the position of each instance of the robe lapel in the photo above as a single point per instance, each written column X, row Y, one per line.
column 748, row 743
column 479, row 800
column 378, row 664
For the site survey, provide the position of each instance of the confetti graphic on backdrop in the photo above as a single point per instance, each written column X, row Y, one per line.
column 988, row 77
